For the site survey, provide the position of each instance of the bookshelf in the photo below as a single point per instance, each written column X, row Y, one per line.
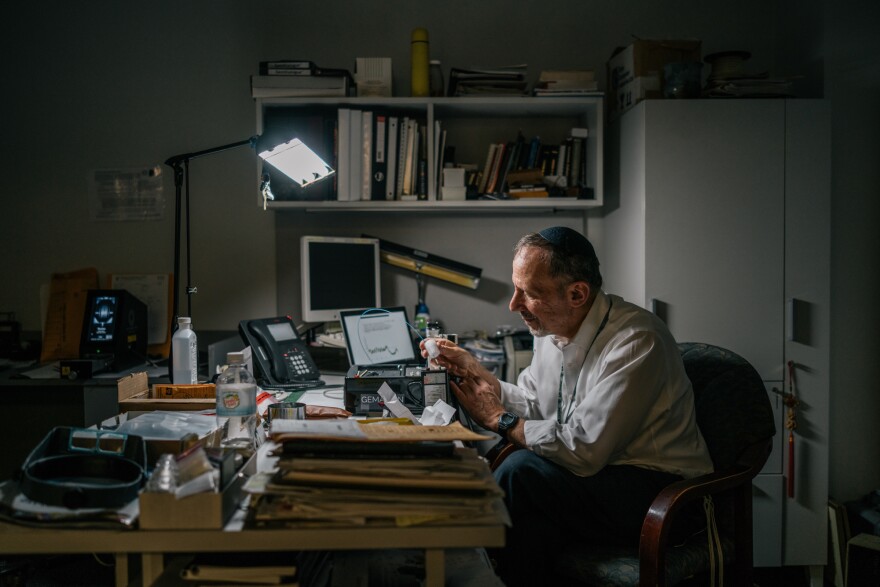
column 471, row 125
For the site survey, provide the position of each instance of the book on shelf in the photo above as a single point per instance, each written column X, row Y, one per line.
column 366, row 181
column 343, row 155
column 529, row 191
column 421, row 187
column 279, row 86
column 511, row 162
column 379, row 157
column 287, row 64
column 486, row 172
column 301, row 69
column 566, row 82
column 409, row 159
column 392, row 154
column 355, row 154
column 402, row 145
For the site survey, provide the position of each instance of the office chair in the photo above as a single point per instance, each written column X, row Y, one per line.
column 735, row 417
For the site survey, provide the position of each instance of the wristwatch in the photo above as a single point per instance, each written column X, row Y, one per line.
column 505, row 422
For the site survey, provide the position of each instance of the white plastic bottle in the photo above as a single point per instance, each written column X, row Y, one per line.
column 237, row 403
column 184, row 353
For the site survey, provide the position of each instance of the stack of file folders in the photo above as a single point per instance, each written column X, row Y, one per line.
column 507, row 80
column 391, row 475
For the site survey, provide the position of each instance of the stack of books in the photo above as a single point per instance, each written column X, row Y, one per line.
column 299, row 78
column 566, row 82
column 497, row 81
column 381, row 155
column 349, row 473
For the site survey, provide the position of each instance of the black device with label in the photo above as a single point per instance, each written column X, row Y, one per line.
column 415, row 387
column 281, row 357
column 114, row 331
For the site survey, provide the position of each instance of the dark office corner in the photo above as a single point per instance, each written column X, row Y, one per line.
column 763, row 577
column 83, row 570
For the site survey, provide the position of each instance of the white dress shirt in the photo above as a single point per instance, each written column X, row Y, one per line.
column 625, row 397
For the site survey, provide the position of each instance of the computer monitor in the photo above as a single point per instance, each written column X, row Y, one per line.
column 338, row 273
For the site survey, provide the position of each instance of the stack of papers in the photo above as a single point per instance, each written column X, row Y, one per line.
column 493, row 81
column 566, row 82
column 759, row 86
column 373, row 475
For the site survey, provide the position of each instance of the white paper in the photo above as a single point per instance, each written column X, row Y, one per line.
column 397, row 409
column 440, row 414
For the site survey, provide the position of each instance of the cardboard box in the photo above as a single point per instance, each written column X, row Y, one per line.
column 142, row 402
column 202, row 511
column 636, row 72
column 181, row 391
column 863, row 561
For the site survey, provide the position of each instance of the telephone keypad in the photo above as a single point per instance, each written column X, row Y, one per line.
column 296, row 363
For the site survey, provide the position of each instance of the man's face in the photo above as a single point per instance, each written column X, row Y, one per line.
column 541, row 300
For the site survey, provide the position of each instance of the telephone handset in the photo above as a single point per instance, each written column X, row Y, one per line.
column 281, row 357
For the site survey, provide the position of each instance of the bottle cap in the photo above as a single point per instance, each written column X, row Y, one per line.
column 419, row 35
column 184, row 320
column 235, row 358
column 432, row 348
column 434, row 62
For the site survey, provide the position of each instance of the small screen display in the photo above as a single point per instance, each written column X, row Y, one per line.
column 281, row 331
column 378, row 337
column 102, row 321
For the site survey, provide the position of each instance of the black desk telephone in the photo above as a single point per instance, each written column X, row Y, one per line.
column 280, row 355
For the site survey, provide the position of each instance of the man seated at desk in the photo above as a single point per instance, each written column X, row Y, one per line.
column 604, row 411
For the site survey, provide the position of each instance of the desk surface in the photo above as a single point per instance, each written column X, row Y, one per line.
column 152, row 544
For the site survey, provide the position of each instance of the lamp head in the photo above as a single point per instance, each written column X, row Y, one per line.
column 298, row 162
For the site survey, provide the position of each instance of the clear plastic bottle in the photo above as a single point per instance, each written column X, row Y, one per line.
column 184, row 353
column 237, row 404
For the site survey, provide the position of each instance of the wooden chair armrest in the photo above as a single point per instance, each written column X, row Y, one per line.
column 657, row 526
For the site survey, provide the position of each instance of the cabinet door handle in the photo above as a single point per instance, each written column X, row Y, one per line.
column 798, row 320
column 660, row 309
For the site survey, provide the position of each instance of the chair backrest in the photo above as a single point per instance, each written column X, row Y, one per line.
column 731, row 403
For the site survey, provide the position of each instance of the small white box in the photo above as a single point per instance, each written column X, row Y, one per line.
column 453, row 177
column 373, row 76
column 453, row 193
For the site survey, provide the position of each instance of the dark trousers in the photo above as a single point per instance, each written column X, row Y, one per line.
column 551, row 507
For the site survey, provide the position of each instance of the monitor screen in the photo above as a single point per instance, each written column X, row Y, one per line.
column 378, row 337
column 101, row 318
column 338, row 273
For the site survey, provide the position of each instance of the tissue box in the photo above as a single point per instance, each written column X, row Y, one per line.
column 202, row 511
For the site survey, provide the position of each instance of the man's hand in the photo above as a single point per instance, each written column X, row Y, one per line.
column 454, row 359
column 480, row 399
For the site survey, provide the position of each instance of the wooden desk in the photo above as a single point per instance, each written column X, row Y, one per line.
column 153, row 545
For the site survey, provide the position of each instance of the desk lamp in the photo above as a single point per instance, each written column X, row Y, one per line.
column 292, row 158
column 426, row 265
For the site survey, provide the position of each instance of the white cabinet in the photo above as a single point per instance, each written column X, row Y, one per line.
column 715, row 217
column 471, row 124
